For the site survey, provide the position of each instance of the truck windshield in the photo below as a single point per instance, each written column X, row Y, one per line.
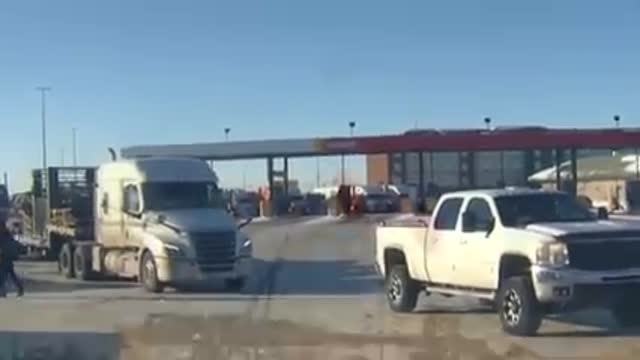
column 521, row 210
column 181, row 195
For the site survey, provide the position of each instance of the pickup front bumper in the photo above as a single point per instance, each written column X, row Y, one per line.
column 578, row 288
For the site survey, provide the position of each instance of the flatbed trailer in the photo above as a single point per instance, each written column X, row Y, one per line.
column 61, row 210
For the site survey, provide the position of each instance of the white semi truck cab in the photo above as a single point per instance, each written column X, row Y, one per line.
column 162, row 221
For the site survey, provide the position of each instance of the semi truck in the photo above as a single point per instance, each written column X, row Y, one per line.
column 161, row 221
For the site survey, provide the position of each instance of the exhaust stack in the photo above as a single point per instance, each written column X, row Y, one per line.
column 112, row 152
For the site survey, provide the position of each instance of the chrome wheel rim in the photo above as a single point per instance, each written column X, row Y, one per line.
column 148, row 271
column 512, row 307
column 395, row 288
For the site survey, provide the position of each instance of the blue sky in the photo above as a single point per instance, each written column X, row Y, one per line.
column 132, row 72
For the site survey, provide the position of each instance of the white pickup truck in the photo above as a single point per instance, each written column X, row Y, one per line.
column 527, row 252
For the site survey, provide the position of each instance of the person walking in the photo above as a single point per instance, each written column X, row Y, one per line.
column 9, row 252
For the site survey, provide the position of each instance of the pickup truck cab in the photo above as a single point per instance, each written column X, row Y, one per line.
column 527, row 252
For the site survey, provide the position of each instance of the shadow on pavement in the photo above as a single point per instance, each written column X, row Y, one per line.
column 455, row 311
column 601, row 325
column 58, row 345
column 32, row 285
column 321, row 277
column 281, row 277
column 600, row 319
column 591, row 333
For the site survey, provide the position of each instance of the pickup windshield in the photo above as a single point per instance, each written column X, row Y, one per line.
column 521, row 210
column 181, row 195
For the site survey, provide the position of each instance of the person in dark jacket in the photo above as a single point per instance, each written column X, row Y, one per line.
column 9, row 252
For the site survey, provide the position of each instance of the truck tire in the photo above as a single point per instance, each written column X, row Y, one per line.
column 82, row 263
column 235, row 284
column 518, row 308
column 65, row 261
column 402, row 291
column 625, row 311
column 149, row 274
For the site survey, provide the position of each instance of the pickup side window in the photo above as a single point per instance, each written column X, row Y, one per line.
column 448, row 212
column 481, row 213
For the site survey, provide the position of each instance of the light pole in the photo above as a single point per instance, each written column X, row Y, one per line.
column 487, row 122
column 317, row 171
column 616, row 119
column 74, row 153
column 226, row 133
column 43, row 104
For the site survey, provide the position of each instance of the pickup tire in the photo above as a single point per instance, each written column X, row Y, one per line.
column 402, row 291
column 65, row 261
column 625, row 311
column 518, row 308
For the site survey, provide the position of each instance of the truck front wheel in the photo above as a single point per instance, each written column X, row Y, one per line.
column 518, row 308
column 402, row 291
column 149, row 274
column 65, row 261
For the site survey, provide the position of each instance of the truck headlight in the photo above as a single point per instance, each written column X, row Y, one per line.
column 173, row 250
column 552, row 254
column 246, row 249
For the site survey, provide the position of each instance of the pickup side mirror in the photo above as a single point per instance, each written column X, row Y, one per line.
column 490, row 226
column 469, row 222
column 603, row 214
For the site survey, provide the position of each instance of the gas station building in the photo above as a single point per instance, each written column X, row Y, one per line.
column 446, row 159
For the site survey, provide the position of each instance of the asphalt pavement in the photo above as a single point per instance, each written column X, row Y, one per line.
column 313, row 295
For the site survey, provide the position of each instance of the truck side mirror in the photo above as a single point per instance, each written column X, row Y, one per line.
column 603, row 214
column 468, row 222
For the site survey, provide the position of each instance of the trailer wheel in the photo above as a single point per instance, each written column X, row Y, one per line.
column 65, row 261
column 149, row 274
column 82, row 263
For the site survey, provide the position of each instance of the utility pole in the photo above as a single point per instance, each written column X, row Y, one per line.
column 226, row 133
column 317, row 171
column 244, row 177
column 62, row 156
column 6, row 180
column 43, row 104
column 74, row 150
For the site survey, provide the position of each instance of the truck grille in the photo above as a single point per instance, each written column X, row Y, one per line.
column 215, row 251
column 604, row 255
